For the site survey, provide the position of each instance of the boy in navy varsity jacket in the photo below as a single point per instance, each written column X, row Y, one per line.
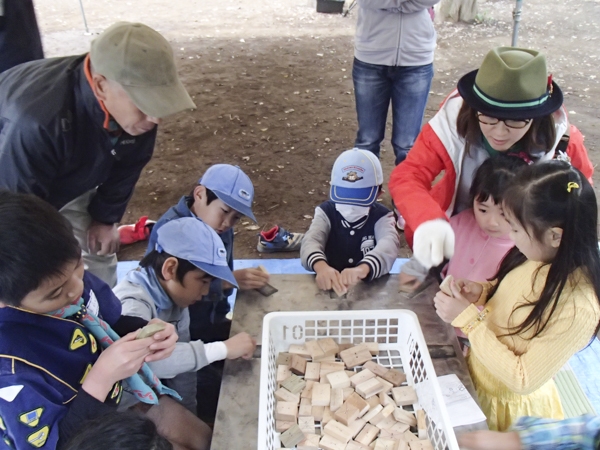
column 61, row 359
column 352, row 237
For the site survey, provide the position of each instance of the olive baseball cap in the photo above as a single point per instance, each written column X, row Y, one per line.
column 141, row 60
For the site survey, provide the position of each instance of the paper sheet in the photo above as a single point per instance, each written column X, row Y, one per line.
column 462, row 409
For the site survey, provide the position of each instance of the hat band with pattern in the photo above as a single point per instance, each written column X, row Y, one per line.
column 500, row 104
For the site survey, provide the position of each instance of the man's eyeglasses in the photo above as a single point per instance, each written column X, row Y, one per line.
column 510, row 123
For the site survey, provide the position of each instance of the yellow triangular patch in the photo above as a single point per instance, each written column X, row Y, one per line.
column 31, row 418
column 87, row 370
column 116, row 391
column 2, row 426
column 93, row 344
column 78, row 340
column 38, row 439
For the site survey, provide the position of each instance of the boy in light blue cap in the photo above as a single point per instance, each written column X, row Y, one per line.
column 351, row 237
column 176, row 274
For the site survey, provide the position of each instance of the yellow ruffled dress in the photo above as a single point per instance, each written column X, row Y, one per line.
column 513, row 374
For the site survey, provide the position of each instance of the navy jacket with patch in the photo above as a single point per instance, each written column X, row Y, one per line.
column 53, row 142
column 43, row 362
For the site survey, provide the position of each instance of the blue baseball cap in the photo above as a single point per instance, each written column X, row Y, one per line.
column 191, row 239
column 232, row 186
column 356, row 177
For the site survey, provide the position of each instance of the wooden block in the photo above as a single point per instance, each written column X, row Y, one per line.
column 405, row 417
column 410, row 437
column 294, row 384
column 317, row 413
column 286, row 411
column 389, row 434
column 421, row 424
column 337, row 399
column 338, row 431
column 327, row 415
column 327, row 358
column 372, row 413
column 330, row 443
column 394, row 376
column 386, row 423
column 373, row 401
column 284, row 395
column 292, row 436
column 373, row 347
column 283, row 373
column 404, row 395
column 299, row 349
column 385, row 444
column 312, row 371
column 283, row 359
column 346, row 414
column 338, row 380
column 355, row 356
column 361, row 377
column 353, row 445
column 422, row 444
column 314, row 349
column 329, row 367
column 399, row 427
column 356, row 426
column 402, row 445
column 310, row 442
column 307, row 424
column 367, row 435
column 359, row 403
column 385, row 399
column 377, row 369
column 387, row 386
column 305, row 408
column 381, row 415
column 281, row 426
column 321, row 394
column 345, row 345
column 369, row 388
column 307, row 391
column 329, row 346
column 297, row 364
column 348, row 392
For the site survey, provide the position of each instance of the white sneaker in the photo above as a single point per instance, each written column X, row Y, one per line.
column 400, row 222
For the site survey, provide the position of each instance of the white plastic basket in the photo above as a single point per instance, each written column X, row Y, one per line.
column 401, row 346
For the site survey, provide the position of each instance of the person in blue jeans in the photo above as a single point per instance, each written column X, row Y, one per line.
column 393, row 61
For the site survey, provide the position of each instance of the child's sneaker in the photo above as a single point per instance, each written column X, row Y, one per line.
column 278, row 239
column 400, row 222
column 139, row 231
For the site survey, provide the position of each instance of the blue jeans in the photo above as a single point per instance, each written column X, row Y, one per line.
column 374, row 86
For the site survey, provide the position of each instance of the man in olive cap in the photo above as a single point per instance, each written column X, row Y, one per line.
column 77, row 131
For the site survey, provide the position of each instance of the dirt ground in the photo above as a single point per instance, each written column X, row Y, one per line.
column 273, row 85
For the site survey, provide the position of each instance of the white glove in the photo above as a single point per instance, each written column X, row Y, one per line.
column 433, row 241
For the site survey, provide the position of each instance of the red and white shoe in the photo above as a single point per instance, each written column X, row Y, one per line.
column 139, row 231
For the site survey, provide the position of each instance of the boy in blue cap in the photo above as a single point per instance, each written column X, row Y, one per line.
column 351, row 237
column 223, row 195
column 178, row 273
column 61, row 359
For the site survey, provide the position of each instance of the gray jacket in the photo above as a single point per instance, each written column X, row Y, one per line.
column 395, row 32
column 188, row 357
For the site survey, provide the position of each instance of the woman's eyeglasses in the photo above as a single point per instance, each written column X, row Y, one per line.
column 510, row 123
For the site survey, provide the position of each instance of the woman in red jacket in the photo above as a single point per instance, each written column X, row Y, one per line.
column 509, row 105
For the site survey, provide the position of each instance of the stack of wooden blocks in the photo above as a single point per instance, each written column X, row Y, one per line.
column 356, row 409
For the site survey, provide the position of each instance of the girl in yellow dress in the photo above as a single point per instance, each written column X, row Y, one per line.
column 542, row 306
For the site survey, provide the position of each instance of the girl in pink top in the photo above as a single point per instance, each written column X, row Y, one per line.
column 481, row 232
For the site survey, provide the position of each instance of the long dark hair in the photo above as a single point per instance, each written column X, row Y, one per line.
column 543, row 196
column 541, row 134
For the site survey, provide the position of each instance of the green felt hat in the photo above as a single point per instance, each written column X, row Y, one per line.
column 512, row 83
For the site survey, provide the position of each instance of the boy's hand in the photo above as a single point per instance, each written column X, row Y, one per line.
column 448, row 308
column 328, row 278
column 164, row 342
column 351, row 276
column 103, row 239
column 408, row 283
column 251, row 278
column 490, row 440
column 120, row 360
column 241, row 345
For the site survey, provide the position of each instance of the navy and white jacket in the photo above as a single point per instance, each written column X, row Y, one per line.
column 43, row 362
column 371, row 240
column 54, row 144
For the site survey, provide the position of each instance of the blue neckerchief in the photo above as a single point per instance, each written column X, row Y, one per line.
column 146, row 388
column 149, row 281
